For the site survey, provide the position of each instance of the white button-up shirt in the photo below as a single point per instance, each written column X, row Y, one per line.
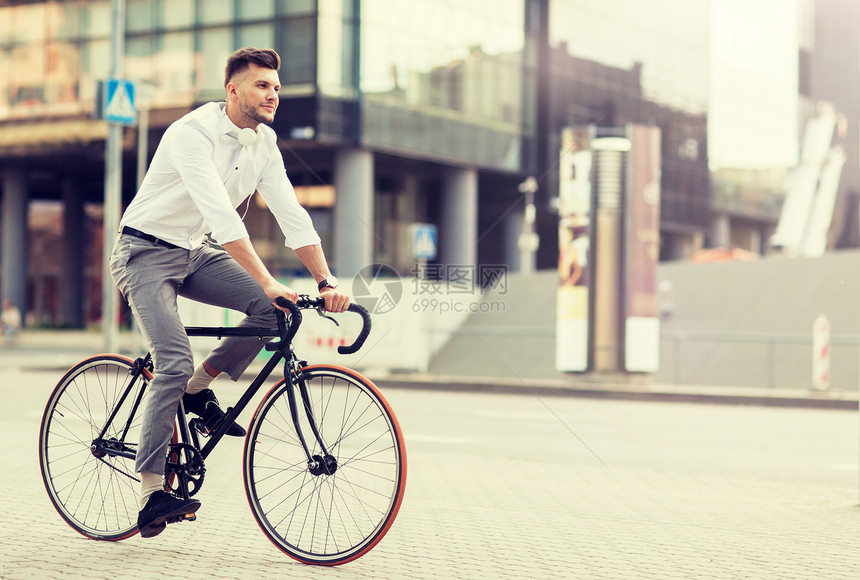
column 201, row 173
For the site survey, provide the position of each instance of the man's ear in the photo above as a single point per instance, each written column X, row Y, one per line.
column 232, row 91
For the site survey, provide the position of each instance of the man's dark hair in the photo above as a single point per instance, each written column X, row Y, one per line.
column 240, row 60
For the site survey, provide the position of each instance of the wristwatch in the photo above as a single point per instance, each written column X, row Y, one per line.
column 328, row 282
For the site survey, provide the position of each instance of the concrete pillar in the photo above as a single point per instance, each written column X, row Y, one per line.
column 512, row 228
column 721, row 229
column 72, row 267
column 13, row 243
column 755, row 241
column 458, row 243
column 353, row 212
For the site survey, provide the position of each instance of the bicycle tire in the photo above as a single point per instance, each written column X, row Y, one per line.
column 98, row 497
column 326, row 519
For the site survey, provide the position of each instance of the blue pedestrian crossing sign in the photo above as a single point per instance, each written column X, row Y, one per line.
column 423, row 241
column 119, row 102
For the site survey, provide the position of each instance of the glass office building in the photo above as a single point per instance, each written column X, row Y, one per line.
column 404, row 112
column 392, row 113
column 627, row 61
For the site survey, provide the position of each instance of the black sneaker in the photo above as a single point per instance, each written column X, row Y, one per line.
column 206, row 406
column 161, row 509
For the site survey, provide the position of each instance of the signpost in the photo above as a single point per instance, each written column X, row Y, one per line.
column 119, row 102
column 118, row 111
column 424, row 246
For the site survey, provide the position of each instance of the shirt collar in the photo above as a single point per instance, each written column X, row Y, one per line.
column 227, row 127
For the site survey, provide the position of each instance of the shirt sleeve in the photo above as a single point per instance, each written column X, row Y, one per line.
column 192, row 153
column 278, row 193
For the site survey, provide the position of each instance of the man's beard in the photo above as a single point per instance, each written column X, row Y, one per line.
column 252, row 113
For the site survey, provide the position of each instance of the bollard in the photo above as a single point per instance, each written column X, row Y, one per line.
column 821, row 353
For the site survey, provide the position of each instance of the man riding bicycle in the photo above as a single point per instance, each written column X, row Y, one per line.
column 206, row 165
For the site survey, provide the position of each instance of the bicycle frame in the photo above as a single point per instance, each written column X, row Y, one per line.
column 281, row 351
column 231, row 413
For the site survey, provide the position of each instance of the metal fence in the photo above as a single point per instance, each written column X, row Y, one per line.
column 773, row 360
column 735, row 359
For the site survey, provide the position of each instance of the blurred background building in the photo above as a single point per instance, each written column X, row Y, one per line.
column 426, row 111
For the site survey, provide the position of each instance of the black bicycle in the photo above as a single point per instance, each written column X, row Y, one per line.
column 324, row 459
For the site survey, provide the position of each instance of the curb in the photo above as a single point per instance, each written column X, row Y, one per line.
column 60, row 360
column 841, row 400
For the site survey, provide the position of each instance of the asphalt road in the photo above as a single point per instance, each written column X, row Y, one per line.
column 507, row 486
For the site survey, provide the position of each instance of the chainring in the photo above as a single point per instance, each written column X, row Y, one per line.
column 184, row 462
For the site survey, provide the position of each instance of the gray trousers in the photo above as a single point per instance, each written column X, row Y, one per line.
column 150, row 278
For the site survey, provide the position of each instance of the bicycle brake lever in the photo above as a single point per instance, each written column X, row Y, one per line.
column 320, row 312
column 305, row 301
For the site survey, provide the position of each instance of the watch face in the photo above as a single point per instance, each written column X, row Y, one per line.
column 330, row 282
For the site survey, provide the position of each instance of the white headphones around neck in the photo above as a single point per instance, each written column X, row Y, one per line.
column 249, row 137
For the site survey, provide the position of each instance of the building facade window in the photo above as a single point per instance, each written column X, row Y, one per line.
column 626, row 61
column 259, row 35
column 257, row 10
column 140, row 56
column 214, row 12
column 63, row 21
column 54, row 53
column 336, row 74
column 140, row 16
column 446, row 79
column 292, row 7
column 177, row 13
column 216, row 44
column 297, row 47
column 666, row 40
column 176, row 65
column 96, row 18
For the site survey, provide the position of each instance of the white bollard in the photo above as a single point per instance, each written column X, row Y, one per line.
column 821, row 353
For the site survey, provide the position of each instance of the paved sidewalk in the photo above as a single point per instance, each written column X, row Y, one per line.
column 59, row 350
column 508, row 487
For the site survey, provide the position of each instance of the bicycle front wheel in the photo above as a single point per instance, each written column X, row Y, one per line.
column 95, row 491
column 337, row 510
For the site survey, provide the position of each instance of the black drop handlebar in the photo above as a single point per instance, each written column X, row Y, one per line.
column 306, row 302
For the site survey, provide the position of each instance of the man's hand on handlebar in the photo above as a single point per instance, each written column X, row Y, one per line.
column 276, row 289
column 335, row 300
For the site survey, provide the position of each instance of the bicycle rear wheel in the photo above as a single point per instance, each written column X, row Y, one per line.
column 96, row 493
column 326, row 516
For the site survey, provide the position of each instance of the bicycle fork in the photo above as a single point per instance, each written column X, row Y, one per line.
column 319, row 464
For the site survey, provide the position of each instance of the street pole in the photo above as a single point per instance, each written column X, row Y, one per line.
column 113, row 184
column 528, row 240
column 142, row 136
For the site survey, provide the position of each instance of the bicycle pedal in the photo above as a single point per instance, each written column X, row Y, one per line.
column 200, row 427
column 181, row 518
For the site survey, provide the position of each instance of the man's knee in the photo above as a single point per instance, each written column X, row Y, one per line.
column 262, row 309
column 179, row 367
